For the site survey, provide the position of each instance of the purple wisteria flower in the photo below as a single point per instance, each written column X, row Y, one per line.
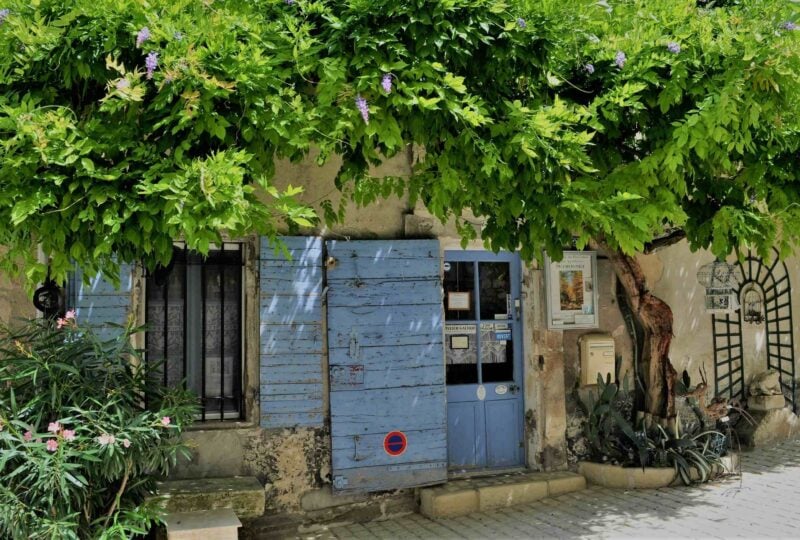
column 386, row 83
column 673, row 47
column 521, row 23
column 289, row 2
column 142, row 36
column 4, row 13
column 789, row 25
column 363, row 108
column 151, row 63
column 122, row 84
column 620, row 59
column 589, row 68
column 177, row 36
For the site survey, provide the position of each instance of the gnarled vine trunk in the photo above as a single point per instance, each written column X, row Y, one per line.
column 655, row 317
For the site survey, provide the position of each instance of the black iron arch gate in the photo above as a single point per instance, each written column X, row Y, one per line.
column 773, row 281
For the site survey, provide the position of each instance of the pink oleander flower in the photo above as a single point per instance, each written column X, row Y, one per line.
column 126, row 443
column 52, row 445
column 68, row 434
column 70, row 315
column 105, row 439
column 61, row 323
column 53, row 427
column 28, row 436
column 165, row 421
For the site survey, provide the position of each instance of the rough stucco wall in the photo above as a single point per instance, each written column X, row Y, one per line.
column 289, row 462
column 672, row 275
column 382, row 219
column 14, row 302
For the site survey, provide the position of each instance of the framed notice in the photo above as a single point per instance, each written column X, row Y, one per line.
column 571, row 291
column 459, row 301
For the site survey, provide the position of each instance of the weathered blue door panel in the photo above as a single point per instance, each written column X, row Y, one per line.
column 502, row 433
column 100, row 304
column 464, row 434
column 386, row 363
column 292, row 344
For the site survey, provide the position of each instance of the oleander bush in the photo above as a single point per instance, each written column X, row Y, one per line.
column 80, row 446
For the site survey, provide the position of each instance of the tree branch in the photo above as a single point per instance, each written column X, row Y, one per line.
column 672, row 237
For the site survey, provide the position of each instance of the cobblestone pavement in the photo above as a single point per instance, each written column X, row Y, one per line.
column 763, row 503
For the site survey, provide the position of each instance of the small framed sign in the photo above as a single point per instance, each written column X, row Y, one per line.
column 459, row 342
column 459, row 301
column 571, row 291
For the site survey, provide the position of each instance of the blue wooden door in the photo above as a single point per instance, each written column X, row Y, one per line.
column 386, row 365
column 483, row 352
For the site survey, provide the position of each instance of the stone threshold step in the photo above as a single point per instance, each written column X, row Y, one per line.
column 242, row 494
column 219, row 524
column 463, row 497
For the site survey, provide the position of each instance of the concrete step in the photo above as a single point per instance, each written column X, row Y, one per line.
column 242, row 494
column 462, row 497
column 219, row 524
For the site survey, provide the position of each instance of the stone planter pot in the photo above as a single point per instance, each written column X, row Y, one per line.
column 616, row 476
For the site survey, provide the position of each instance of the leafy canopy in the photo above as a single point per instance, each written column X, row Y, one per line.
column 547, row 119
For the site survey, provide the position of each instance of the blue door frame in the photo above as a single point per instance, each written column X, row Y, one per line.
column 485, row 422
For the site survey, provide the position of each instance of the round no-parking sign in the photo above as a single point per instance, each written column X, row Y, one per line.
column 395, row 443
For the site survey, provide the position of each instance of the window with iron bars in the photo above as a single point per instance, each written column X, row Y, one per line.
column 194, row 326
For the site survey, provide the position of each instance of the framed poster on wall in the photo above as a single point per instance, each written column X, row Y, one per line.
column 571, row 291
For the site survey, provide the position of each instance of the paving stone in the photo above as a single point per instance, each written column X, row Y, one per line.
column 762, row 504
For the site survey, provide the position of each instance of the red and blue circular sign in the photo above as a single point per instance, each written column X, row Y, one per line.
column 395, row 443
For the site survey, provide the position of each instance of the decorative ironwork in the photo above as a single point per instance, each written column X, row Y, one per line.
column 772, row 281
column 194, row 312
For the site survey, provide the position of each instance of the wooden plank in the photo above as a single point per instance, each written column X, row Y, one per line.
column 417, row 251
column 393, row 377
column 372, row 316
column 399, row 269
column 367, row 450
column 418, row 355
column 389, row 477
column 291, row 406
column 289, row 389
column 301, row 248
column 286, row 308
column 297, row 374
column 385, row 293
column 290, row 359
column 383, row 336
column 388, row 409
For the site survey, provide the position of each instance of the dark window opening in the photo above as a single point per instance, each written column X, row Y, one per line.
column 194, row 327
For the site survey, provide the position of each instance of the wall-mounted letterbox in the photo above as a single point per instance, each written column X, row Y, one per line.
column 597, row 357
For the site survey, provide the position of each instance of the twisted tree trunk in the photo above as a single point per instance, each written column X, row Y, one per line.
column 655, row 317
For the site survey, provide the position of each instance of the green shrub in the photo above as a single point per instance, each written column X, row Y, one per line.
column 614, row 437
column 79, row 448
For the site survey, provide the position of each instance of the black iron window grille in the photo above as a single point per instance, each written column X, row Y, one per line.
column 194, row 319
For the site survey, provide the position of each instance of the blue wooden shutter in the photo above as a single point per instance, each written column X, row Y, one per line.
column 100, row 302
column 291, row 334
column 386, row 361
